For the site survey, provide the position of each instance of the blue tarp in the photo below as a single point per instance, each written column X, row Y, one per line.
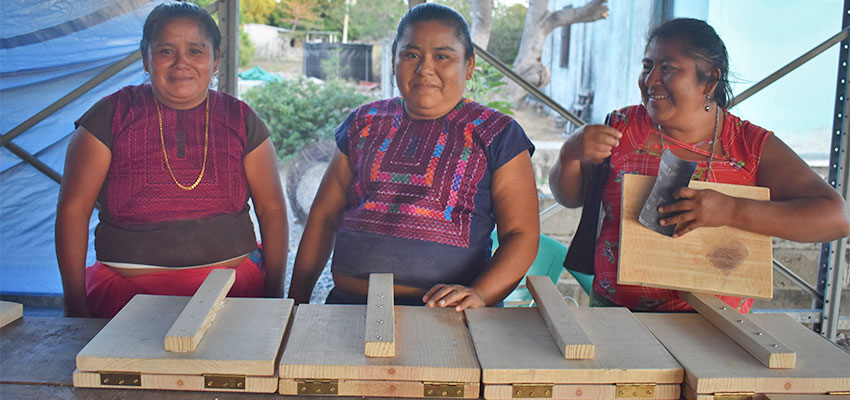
column 48, row 49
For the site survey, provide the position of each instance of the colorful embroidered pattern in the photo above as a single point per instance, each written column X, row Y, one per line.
column 416, row 179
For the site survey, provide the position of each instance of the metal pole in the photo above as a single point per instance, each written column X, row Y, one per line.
column 797, row 280
column 840, row 36
column 35, row 162
column 228, row 66
column 527, row 86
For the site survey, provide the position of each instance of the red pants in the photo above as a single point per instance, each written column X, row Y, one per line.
column 107, row 291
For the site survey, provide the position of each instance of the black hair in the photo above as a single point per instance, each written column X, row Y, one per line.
column 700, row 42
column 439, row 13
column 164, row 13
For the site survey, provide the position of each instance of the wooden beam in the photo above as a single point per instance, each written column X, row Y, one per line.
column 197, row 316
column 738, row 327
column 380, row 317
column 571, row 339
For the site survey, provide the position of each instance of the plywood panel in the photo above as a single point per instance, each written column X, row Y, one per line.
column 719, row 260
column 379, row 388
column 583, row 392
column 244, row 338
column 10, row 312
column 326, row 342
column 514, row 346
column 715, row 364
column 253, row 384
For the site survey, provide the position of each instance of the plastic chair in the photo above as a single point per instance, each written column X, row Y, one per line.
column 549, row 262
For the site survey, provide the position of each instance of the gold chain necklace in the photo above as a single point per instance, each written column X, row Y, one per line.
column 713, row 142
column 206, row 143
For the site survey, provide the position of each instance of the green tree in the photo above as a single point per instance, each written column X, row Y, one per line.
column 246, row 49
column 507, row 32
column 366, row 24
column 256, row 11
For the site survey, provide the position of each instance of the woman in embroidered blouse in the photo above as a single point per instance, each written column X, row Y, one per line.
column 171, row 165
column 684, row 90
column 419, row 181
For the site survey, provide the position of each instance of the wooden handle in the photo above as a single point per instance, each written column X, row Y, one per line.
column 571, row 339
column 380, row 317
column 738, row 327
column 196, row 318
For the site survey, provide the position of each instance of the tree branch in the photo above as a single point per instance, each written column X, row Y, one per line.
column 596, row 9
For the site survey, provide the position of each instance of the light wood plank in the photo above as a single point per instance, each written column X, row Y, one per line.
column 769, row 351
column 379, row 388
column 245, row 339
column 716, row 364
column 253, row 384
column 806, row 397
column 583, row 392
column 515, row 346
column 326, row 342
column 10, row 312
column 567, row 333
column 193, row 322
column 717, row 260
column 380, row 317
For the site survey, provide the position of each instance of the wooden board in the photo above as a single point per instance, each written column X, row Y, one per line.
column 807, row 397
column 326, row 342
column 380, row 388
column 196, row 318
column 253, row 384
column 380, row 317
column 715, row 364
column 571, row 339
column 244, row 339
column 771, row 352
column 583, row 392
column 41, row 350
column 718, row 260
column 515, row 347
column 10, row 312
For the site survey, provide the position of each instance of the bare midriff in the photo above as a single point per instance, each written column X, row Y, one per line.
column 360, row 287
column 144, row 270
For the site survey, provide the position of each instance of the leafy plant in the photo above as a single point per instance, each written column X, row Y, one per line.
column 246, row 49
column 485, row 87
column 302, row 111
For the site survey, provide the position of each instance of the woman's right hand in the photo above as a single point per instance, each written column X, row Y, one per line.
column 593, row 143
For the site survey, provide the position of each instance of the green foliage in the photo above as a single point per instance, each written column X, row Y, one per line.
column 332, row 68
column 506, row 34
column 300, row 112
column 485, row 87
column 373, row 20
column 246, row 49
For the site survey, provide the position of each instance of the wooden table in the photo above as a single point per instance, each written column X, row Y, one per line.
column 37, row 360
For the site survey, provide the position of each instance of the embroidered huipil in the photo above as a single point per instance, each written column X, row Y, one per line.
column 736, row 161
column 419, row 205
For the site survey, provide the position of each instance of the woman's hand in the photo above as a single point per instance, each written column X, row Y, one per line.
column 595, row 142
column 698, row 208
column 459, row 296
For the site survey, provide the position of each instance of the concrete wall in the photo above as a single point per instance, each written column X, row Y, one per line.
column 273, row 43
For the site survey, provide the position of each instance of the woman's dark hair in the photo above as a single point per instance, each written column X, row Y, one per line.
column 164, row 13
column 439, row 13
column 700, row 42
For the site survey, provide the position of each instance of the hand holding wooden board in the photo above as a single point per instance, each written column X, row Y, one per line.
column 718, row 260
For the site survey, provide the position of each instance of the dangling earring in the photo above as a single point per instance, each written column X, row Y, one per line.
column 707, row 102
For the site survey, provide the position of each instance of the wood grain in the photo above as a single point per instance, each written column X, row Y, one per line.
column 380, row 317
column 431, row 345
column 253, row 384
column 515, row 346
column 718, row 260
column 193, row 322
column 716, row 364
column 10, row 312
column 568, row 334
column 769, row 351
column 807, row 397
column 244, row 339
column 583, row 392
column 379, row 388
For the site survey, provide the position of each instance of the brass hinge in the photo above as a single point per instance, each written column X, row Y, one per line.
column 734, row 396
column 120, row 379
column 635, row 391
column 532, row 391
column 443, row 389
column 318, row 387
column 217, row 381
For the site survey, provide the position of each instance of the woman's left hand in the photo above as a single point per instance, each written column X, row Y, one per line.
column 697, row 208
column 459, row 296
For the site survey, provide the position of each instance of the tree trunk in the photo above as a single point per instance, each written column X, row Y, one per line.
column 539, row 23
column 482, row 21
